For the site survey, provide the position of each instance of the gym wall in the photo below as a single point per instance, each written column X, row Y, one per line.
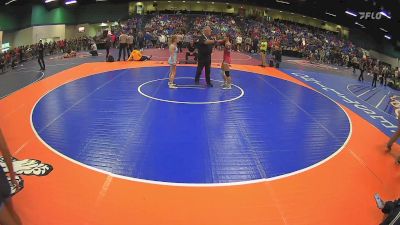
column 27, row 24
column 22, row 37
column 43, row 16
column 53, row 32
column 71, row 31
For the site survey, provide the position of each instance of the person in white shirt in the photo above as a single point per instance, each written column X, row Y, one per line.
column 162, row 40
column 123, row 42
column 129, row 48
column 93, row 49
column 239, row 41
column 396, row 75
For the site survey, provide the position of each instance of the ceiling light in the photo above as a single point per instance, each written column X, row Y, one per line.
column 383, row 13
column 383, row 29
column 350, row 13
column 359, row 24
column 69, row 2
column 7, row 3
column 388, row 37
column 331, row 14
column 283, row 2
column 48, row 1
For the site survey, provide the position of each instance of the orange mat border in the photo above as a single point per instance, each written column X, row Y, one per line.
column 339, row 191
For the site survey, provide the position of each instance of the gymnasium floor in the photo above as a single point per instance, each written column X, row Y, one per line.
column 108, row 143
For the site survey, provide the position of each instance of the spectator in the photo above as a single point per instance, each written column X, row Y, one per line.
column 130, row 44
column 162, row 40
column 192, row 51
column 239, row 40
column 2, row 63
column 93, row 49
column 41, row 56
column 108, row 45
column 123, row 40
column 263, row 52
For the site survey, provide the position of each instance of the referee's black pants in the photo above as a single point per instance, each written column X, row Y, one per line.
column 374, row 80
column 201, row 63
column 41, row 62
column 122, row 49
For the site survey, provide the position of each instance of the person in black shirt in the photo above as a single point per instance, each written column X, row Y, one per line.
column 363, row 67
column 108, row 45
column 375, row 72
column 191, row 51
column 205, row 46
column 41, row 55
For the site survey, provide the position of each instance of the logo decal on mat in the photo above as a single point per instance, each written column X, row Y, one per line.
column 27, row 167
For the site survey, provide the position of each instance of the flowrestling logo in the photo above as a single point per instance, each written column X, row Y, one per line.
column 371, row 113
column 395, row 102
column 370, row 15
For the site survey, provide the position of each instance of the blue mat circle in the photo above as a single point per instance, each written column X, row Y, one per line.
column 276, row 129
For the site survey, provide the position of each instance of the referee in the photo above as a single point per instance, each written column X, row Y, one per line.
column 205, row 46
column 41, row 55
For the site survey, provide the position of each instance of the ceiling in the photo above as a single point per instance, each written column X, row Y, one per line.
column 313, row 8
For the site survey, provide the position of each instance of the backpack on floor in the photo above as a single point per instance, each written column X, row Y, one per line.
column 110, row 58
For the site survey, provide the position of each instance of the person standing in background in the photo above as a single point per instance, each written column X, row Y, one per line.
column 263, row 52
column 130, row 44
column 41, row 56
column 354, row 63
column 255, row 45
column 363, row 67
column 239, row 41
column 162, row 40
column 375, row 72
column 140, row 40
column 108, row 45
column 123, row 40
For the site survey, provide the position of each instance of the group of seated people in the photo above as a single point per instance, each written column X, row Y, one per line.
column 11, row 59
column 72, row 54
column 247, row 33
column 292, row 38
column 20, row 54
column 2, row 64
column 161, row 26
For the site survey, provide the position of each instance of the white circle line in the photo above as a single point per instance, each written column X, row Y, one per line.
column 189, row 103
